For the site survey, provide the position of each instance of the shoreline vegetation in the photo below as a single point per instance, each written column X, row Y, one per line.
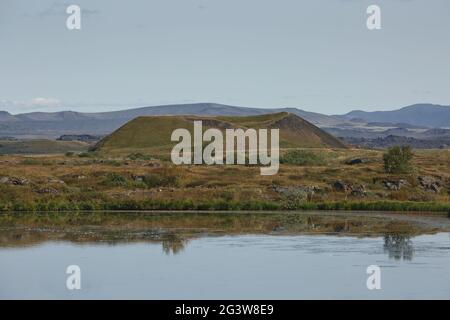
column 222, row 205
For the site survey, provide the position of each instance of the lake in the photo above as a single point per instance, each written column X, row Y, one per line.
column 168, row 255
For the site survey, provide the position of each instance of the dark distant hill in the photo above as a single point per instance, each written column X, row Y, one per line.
column 79, row 137
column 211, row 109
column 429, row 115
column 395, row 125
column 389, row 141
column 7, row 117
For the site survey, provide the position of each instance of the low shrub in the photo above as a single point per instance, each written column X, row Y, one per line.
column 115, row 179
column 303, row 158
column 29, row 161
column 138, row 156
column 154, row 180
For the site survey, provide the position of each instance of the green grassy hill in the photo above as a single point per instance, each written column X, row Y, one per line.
column 152, row 134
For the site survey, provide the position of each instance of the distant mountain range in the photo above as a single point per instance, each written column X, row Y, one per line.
column 428, row 115
column 356, row 123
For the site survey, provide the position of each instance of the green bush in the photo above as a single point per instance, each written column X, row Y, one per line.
column 161, row 180
column 31, row 162
column 303, row 158
column 227, row 195
column 398, row 159
column 115, row 179
column 138, row 156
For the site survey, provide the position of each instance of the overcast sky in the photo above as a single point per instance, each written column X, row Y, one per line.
column 317, row 55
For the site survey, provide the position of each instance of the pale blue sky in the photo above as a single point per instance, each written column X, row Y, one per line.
column 317, row 55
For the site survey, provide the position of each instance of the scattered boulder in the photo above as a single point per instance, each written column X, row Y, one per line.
column 430, row 183
column 395, row 185
column 296, row 192
column 56, row 181
column 341, row 186
column 20, row 181
column 139, row 178
column 4, row 180
column 352, row 162
column 46, row 190
column 14, row 181
column 358, row 190
column 69, row 177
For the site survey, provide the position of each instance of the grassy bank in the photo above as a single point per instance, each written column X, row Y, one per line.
column 220, row 205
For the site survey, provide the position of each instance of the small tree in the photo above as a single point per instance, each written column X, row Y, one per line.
column 398, row 159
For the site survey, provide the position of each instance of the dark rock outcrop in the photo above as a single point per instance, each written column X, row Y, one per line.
column 354, row 161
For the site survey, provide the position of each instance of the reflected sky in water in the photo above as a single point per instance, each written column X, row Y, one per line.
column 233, row 267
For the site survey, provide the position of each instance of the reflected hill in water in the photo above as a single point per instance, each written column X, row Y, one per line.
column 174, row 230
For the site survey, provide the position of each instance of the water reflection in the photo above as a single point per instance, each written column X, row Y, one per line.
column 174, row 245
column 174, row 230
column 398, row 246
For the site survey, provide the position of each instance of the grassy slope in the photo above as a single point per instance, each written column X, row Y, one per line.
column 153, row 133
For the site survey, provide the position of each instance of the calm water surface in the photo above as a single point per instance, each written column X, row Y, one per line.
column 230, row 259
